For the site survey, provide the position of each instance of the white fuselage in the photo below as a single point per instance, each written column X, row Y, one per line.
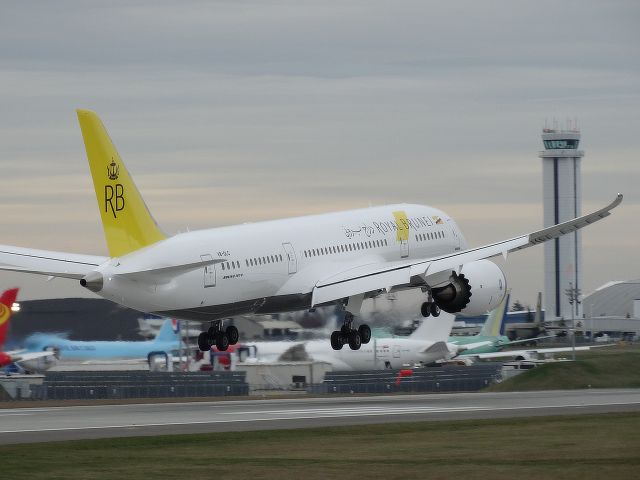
column 272, row 266
column 378, row 354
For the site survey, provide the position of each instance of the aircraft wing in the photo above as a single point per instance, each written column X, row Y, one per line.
column 377, row 277
column 516, row 353
column 24, row 356
column 46, row 262
column 484, row 343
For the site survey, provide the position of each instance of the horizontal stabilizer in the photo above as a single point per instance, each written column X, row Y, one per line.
column 46, row 262
column 438, row 348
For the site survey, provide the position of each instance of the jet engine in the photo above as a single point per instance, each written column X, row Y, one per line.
column 478, row 288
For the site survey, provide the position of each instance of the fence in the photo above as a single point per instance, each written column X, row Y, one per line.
column 431, row 379
column 122, row 385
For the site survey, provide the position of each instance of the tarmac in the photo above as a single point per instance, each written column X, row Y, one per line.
column 28, row 425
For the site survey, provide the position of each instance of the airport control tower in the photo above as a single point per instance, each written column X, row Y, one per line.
column 562, row 201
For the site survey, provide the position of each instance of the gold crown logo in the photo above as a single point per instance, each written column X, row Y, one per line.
column 113, row 170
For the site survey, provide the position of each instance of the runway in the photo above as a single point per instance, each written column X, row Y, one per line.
column 27, row 425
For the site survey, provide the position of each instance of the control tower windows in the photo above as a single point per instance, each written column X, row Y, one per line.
column 561, row 144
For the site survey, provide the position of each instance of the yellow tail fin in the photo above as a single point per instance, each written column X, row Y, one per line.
column 127, row 222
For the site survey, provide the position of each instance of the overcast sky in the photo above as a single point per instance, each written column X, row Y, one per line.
column 227, row 112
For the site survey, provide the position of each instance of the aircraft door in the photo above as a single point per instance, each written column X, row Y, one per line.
column 209, row 271
column 290, row 255
column 454, row 234
column 404, row 248
column 396, row 351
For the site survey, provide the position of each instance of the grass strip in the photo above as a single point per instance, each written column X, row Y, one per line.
column 581, row 446
column 611, row 367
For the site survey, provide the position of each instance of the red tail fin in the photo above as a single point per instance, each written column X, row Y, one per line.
column 6, row 302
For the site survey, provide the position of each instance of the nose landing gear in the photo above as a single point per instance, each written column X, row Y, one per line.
column 218, row 336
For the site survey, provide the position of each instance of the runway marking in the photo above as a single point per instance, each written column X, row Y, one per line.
column 306, row 417
column 361, row 410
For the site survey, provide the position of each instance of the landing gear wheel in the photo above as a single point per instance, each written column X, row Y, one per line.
column 336, row 340
column 203, row 342
column 425, row 309
column 222, row 341
column 354, row 340
column 434, row 309
column 365, row 333
column 232, row 334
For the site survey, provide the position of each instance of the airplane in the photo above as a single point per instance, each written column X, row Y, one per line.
column 491, row 342
column 426, row 344
column 167, row 340
column 491, row 337
column 277, row 266
column 30, row 361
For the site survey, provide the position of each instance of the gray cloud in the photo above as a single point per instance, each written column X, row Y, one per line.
column 241, row 111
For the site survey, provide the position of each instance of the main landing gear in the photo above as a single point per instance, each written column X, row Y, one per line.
column 218, row 336
column 429, row 308
column 347, row 334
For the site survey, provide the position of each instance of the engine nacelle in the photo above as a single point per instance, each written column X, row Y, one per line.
column 479, row 288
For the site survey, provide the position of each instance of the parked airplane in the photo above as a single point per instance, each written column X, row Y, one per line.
column 491, row 337
column 31, row 361
column 491, row 342
column 276, row 266
column 427, row 344
column 166, row 341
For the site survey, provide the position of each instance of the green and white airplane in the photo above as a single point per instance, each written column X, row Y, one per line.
column 491, row 342
column 491, row 337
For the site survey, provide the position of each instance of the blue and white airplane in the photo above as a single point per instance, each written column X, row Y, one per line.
column 167, row 341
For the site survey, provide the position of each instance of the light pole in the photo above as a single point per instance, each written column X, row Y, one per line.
column 573, row 294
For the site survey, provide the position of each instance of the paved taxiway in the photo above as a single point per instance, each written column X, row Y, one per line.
column 66, row 423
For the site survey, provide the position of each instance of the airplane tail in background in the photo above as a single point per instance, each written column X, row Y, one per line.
column 6, row 302
column 435, row 329
column 495, row 323
column 126, row 220
column 169, row 331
